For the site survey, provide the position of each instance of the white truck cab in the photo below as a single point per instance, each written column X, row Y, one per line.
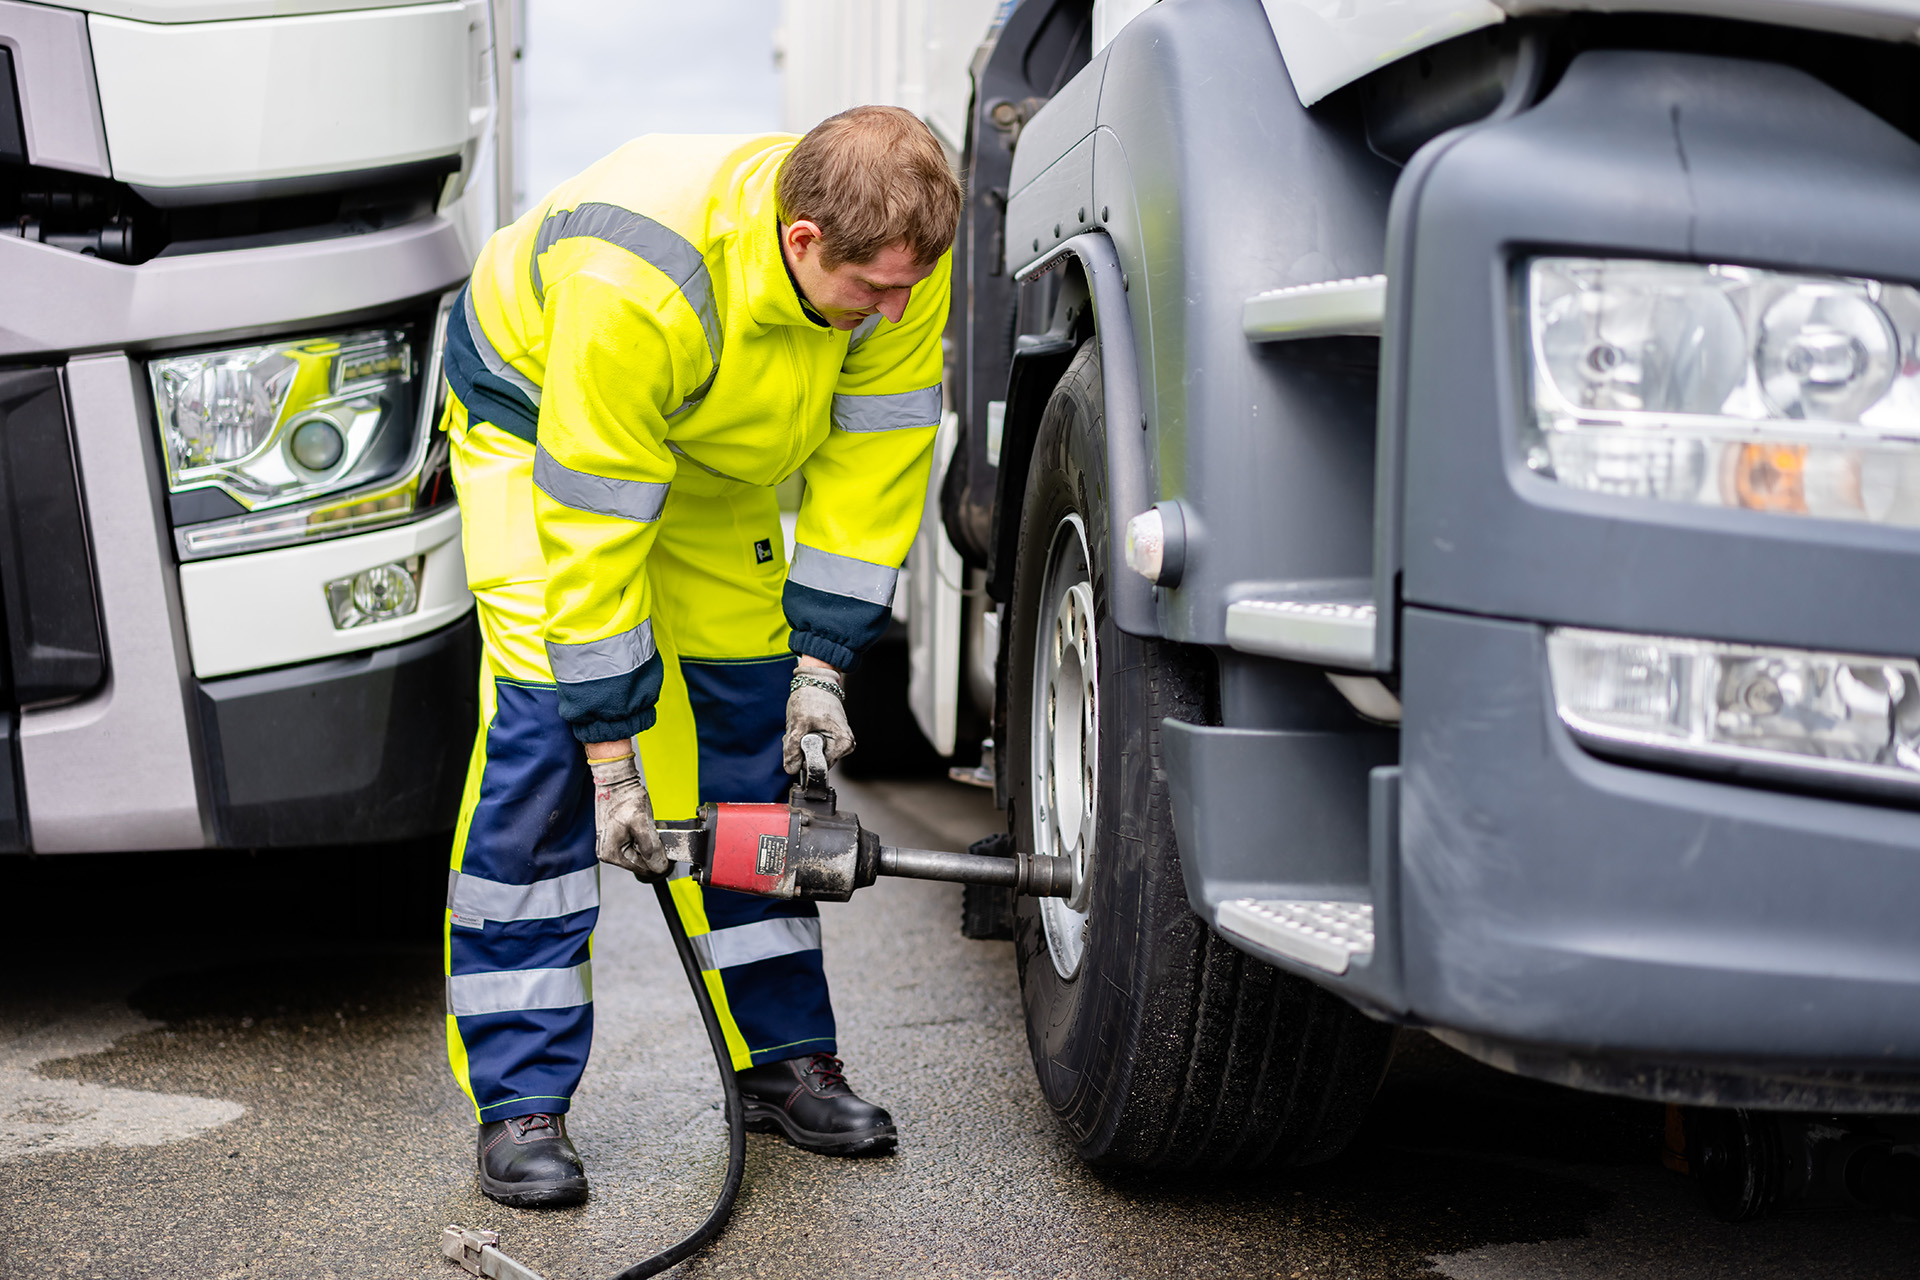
column 230, row 569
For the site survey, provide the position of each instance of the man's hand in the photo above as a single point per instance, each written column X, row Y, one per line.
column 816, row 704
column 623, row 830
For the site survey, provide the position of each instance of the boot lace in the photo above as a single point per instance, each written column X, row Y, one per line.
column 828, row 1070
column 523, row 1125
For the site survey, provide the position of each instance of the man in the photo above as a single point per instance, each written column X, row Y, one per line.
column 633, row 367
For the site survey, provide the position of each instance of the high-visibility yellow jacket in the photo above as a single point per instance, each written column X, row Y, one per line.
column 644, row 314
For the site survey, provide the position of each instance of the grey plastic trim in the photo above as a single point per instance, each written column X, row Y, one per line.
column 59, row 99
column 1333, row 632
column 1055, row 207
column 59, row 301
column 303, row 185
column 1130, row 478
column 171, row 11
column 118, row 770
column 1337, row 308
column 1051, row 178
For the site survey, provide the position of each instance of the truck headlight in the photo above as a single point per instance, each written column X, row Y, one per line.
column 1726, row 386
column 313, row 436
column 270, row 424
column 1847, row 719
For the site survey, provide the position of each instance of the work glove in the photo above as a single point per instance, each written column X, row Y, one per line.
column 623, row 832
column 816, row 704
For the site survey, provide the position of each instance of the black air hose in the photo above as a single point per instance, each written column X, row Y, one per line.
column 736, row 1114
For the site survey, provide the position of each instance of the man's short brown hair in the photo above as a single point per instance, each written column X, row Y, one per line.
column 870, row 177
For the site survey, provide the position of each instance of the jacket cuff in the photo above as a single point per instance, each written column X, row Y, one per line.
column 829, row 651
column 613, row 730
column 832, row 627
column 608, row 708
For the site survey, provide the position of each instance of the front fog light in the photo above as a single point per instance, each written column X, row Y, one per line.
column 1851, row 719
column 1726, row 386
column 378, row 594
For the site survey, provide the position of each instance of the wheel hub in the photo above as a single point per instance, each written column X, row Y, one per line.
column 1065, row 737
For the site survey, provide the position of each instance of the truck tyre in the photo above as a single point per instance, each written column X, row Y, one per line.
column 1157, row 1044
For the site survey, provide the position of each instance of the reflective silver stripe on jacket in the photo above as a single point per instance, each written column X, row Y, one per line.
column 511, row 990
column 761, row 940
column 650, row 241
column 599, row 659
column 475, row 898
column 864, row 331
column 888, row 413
column 842, row 575
column 639, row 500
column 496, row 363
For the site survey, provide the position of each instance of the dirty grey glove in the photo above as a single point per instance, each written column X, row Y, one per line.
column 816, row 704
column 623, row 831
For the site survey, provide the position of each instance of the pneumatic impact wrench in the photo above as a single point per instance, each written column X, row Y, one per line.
column 805, row 848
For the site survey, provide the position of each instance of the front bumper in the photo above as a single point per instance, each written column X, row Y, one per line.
column 1547, row 896
column 1606, row 925
column 358, row 749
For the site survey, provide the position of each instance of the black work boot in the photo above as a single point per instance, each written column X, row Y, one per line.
column 808, row 1099
column 527, row 1162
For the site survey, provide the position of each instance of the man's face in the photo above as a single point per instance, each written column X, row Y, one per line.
column 851, row 291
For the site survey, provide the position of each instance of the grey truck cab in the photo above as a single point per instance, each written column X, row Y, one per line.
column 1449, row 478
column 230, row 571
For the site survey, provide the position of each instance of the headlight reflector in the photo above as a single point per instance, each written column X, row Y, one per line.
column 1726, row 386
column 273, row 423
column 1847, row 718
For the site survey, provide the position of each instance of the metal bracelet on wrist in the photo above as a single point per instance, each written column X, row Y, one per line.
column 818, row 682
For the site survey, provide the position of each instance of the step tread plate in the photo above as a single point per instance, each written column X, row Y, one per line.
column 1326, row 935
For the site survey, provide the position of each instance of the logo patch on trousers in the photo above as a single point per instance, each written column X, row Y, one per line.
column 763, row 551
column 773, row 856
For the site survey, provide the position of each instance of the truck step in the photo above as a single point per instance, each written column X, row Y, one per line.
column 1327, row 632
column 1326, row 935
column 1332, row 309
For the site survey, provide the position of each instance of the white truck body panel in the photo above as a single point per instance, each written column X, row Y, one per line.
column 191, row 104
column 915, row 54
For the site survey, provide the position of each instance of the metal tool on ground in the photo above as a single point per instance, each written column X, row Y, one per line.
column 805, row 848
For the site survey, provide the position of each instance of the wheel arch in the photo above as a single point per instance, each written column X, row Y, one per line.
column 1090, row 301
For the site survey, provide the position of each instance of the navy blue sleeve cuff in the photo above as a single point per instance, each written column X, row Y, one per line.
column 835, row 629
column 613, row 707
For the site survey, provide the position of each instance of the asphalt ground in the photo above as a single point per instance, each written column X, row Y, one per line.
column 233, row 1067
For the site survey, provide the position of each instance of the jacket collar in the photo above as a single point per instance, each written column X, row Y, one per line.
column 773, row 296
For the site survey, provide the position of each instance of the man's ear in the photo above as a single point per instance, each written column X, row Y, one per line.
column 803, row 237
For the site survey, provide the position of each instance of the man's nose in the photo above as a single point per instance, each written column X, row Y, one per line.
column 894, row 305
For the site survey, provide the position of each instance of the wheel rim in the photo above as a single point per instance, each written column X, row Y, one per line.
column 1064, row 747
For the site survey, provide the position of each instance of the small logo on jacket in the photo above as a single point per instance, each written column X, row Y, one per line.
column 763, row 551
column 773, row 856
